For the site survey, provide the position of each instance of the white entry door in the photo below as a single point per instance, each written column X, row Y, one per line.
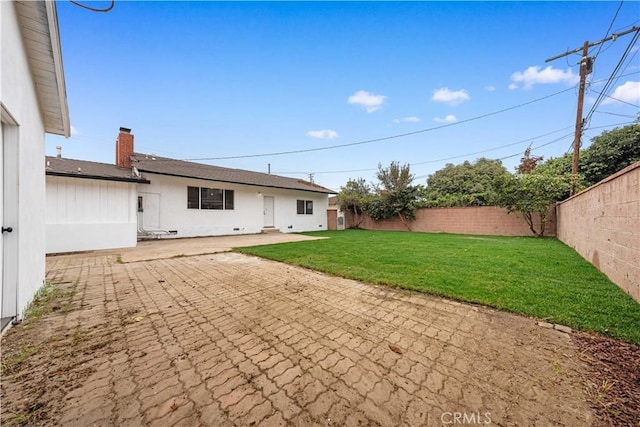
column 2, row 220
column 8, row 217
column 151, row 211
column 268, row 211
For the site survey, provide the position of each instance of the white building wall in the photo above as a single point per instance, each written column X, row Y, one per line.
column 247, row 217
column 24, row 156
column 89, row 214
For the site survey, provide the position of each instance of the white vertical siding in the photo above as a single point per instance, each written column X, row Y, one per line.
column 89, row 214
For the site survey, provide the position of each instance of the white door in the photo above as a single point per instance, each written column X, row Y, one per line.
column 2, row 219
column 8, row 215
column 151, row 211
column 268, row 211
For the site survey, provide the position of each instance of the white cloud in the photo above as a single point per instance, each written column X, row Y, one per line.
column 535, row 75
column 450, row 118
column 450, row 97
column 490, row 88
column 367, row 100
column 409, row 119
column 323, row 134
column 74, row 130
column 627, row 92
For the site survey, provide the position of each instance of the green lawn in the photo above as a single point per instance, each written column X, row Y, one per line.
column 538, row 277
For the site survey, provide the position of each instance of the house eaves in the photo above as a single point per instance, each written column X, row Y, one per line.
column 38, row 22
column 184, row 169
column 82, row 169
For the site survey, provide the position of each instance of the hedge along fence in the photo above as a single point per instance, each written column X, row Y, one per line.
column 488, row 220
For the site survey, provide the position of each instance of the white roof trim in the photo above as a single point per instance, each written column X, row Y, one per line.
column 54, row 31
column 38, row 22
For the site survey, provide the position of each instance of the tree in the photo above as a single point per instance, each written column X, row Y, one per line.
column 354, row 197
column 395, row 196
column 531, row 194
column 528, row 163
column 609, row 152
column 395, row 177
column 402, row 203
column 466, row 184
column 561, row 166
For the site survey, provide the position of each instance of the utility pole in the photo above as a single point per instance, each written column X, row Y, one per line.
column 585, row 63
column 586, row 66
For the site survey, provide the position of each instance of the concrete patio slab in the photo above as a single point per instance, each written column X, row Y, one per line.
column 227, row 339
column 169, row 248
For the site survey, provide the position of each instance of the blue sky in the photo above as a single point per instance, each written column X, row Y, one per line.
column 209, row 80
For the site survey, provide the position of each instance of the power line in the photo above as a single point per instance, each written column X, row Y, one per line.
column 616, row 114
column 545, row 144
column 619, row 100
column 386, row 138
column 93, row 9
column 606, row 39
column 109, row 141
column 520, row 153
column 539, row 146
column 586, row 67
column 441, row 160
column 609, row 29
column 471, row 154
column 609, row 83
column 496, row 148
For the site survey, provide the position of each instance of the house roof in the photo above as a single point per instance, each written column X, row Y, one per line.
column 57, row 166
column 181, row 168
column 38, row 22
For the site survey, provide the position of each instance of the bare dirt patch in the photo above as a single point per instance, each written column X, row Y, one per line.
column 43, row 358
column 612, row 378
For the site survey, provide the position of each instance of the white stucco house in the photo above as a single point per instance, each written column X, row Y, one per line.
column 171, row 199
column 33, row 101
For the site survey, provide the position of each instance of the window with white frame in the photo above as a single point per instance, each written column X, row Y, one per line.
column 305, row 207
column 209, row 198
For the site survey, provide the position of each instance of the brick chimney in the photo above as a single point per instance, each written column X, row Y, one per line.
column 124, row 148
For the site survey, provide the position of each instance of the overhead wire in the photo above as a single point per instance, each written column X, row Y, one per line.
column 545, row 144
column 520, row 153
column 622, row 101
column 386, row 138
column 616, row 114
column 474, row 153
column 443, row 159
column 370, row 141
column 611, row 79
column 105, row 140
column 93, row 9
column 539, row 146
column 609, row 29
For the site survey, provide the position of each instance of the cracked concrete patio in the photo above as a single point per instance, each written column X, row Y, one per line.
column 226, row 339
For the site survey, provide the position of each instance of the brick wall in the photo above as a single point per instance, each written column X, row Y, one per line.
column 602, row 223
column 470, row 220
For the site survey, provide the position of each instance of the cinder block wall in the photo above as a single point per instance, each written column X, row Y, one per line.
column 489, row 220
column 602, row 223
